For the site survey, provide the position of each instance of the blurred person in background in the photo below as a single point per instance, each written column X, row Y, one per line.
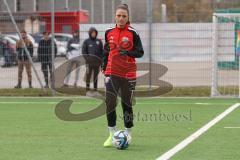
column 73, row 51
column 23, row 59
column 45, row 56
column 7, row 53
column 92, row 51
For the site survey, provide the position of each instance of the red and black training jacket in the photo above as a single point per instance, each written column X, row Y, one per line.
column 121, row 39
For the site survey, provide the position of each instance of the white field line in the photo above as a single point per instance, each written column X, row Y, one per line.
column 232, row 127
column 195, row 135
column 92, row 102
column 203, row 103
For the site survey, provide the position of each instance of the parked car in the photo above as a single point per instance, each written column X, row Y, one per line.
column 37, row 37
column 35, row 44
column 63, row 39
column 12, row 45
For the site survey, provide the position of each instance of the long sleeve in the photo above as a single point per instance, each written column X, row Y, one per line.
column 69, row 47
column 105, row 53
column 84, row 48
column 30, row 49
column 55, row 49
column 39, row 50
column 137, row 50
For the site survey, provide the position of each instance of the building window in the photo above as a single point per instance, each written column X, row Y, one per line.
column 37, row 5
column 18, row 5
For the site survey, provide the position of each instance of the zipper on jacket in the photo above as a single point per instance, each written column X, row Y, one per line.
column 119, row 39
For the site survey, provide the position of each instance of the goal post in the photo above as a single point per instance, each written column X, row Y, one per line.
column 225, row 54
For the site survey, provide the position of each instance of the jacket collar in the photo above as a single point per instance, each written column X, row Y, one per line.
column 126, row 26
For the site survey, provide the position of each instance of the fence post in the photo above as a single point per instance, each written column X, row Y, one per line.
column 53, row 46
column 214, row 91
column 149, row 20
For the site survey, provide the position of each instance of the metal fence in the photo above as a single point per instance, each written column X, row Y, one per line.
column 185, row 48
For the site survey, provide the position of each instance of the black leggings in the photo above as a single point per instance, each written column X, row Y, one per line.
column 46, row 67
column 124, row 88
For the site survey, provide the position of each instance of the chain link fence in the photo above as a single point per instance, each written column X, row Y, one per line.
column 175, row 34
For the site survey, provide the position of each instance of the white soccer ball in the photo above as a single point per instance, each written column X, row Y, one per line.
column 121, row 139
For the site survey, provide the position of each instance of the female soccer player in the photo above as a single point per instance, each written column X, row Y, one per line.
column 122, row 46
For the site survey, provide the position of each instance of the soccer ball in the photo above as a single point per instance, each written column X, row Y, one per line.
column 121, row 139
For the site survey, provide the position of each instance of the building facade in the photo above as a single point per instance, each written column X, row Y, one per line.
column 100, row 11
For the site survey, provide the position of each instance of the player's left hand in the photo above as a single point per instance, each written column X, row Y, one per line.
column 123, row 52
